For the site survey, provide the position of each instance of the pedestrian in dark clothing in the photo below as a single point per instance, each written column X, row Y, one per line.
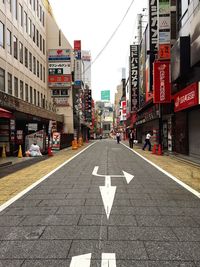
column 147, row 141
column 131, row 138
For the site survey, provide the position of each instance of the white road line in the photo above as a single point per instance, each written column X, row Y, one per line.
column 81, row 260
column 12, row 200
column 108, row 260
column 190, row 189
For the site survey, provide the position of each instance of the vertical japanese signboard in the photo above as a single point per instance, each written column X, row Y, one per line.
column 164, row 26
column 161, row 82
column 134, row 77
column 153, row 38
column 77, row 67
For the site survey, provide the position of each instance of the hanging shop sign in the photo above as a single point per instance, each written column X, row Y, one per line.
column 59, row 54
column 161, row 82
column 134, row 77
column 153, row 21
column 187, row 98
column 164, row 51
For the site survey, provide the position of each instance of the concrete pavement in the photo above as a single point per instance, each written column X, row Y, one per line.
column 153, row 220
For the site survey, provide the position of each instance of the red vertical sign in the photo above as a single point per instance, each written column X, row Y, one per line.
column 161, row 82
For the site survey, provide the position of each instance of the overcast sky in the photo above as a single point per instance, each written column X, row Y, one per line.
column 93, row 22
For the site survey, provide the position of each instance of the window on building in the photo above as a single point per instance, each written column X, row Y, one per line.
column 9, row 5
column 34, row 5
column 37, row 38
column 59, row 38
column 41, row 100
column 10, row 91
column 64, row 92
column 16, row 87
column 31, row 95
column 44, row 74
column 38, row 99
column 26, row 56
column 38, row 8
column 9, row 42
column 44, row 48
column 40, row 15
column 21, row 14
column 21, row 88
column 26, row 92
column 34, row 65
column 34, row 97
column 21, row 53
column 30, row 2
column 40, row 42
column 2, row 80
column 15, row 46
column 30, row 61
column 38, row 69
column 41, row 72
column 29, row 27
column 33, row 33
column 14, row 8
column 2, row 35
column 43, row 18
column 26, row 21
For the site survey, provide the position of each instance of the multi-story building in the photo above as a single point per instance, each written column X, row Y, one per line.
column 25, row 100
column 185, row 62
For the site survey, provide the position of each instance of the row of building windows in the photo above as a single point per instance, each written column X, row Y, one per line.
column 21, row 90
column 21, row 53
column 17, row 10
column 37, row 38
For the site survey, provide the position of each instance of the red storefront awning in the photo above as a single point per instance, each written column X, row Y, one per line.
column 5, row 113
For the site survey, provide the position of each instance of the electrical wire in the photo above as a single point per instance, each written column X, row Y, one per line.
column 112, row 35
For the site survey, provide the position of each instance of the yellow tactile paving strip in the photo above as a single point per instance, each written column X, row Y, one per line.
column 185, row 172
column 14, row 183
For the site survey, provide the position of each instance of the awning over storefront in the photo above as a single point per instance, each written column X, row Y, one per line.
column 5, row 113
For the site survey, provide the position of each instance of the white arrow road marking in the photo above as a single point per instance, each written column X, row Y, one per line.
column 128, row 177
column 108, row 195
column 81, row 260
column 108, row 191
column 108, row 260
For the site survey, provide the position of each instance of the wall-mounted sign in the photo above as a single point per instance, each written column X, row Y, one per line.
column 61, row 101
column 32, row 126
column 164, row 51
column 161, row 82
column 59, row 68
column 60, row 80
column 187, row 98
column 59, row 55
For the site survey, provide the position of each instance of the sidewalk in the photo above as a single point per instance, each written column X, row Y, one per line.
column 16, row 182
column 183, row 168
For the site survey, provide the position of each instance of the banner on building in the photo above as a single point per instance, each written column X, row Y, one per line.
column 134, row 77
column 187, row 98
column 161, row 82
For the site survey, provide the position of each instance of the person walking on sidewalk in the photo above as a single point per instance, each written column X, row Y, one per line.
column 131, row 138
column 118, row 137
column 147, row 141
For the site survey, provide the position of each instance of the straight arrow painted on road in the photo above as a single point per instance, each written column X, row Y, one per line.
column 108, row 260
column 108, row 195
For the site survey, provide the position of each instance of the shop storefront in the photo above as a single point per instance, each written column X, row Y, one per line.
column 187, row 115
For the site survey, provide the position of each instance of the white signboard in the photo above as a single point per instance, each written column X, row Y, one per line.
column 164, row 23
column 59, row 54
column 56, row 68
column 77, row 74
column 61, row 101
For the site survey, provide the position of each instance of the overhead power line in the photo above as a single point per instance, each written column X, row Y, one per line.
column 110, row 38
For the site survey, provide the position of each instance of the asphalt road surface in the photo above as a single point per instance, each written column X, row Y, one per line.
column 107, row 207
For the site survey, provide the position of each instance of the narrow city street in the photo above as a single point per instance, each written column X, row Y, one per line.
column 106, row 207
